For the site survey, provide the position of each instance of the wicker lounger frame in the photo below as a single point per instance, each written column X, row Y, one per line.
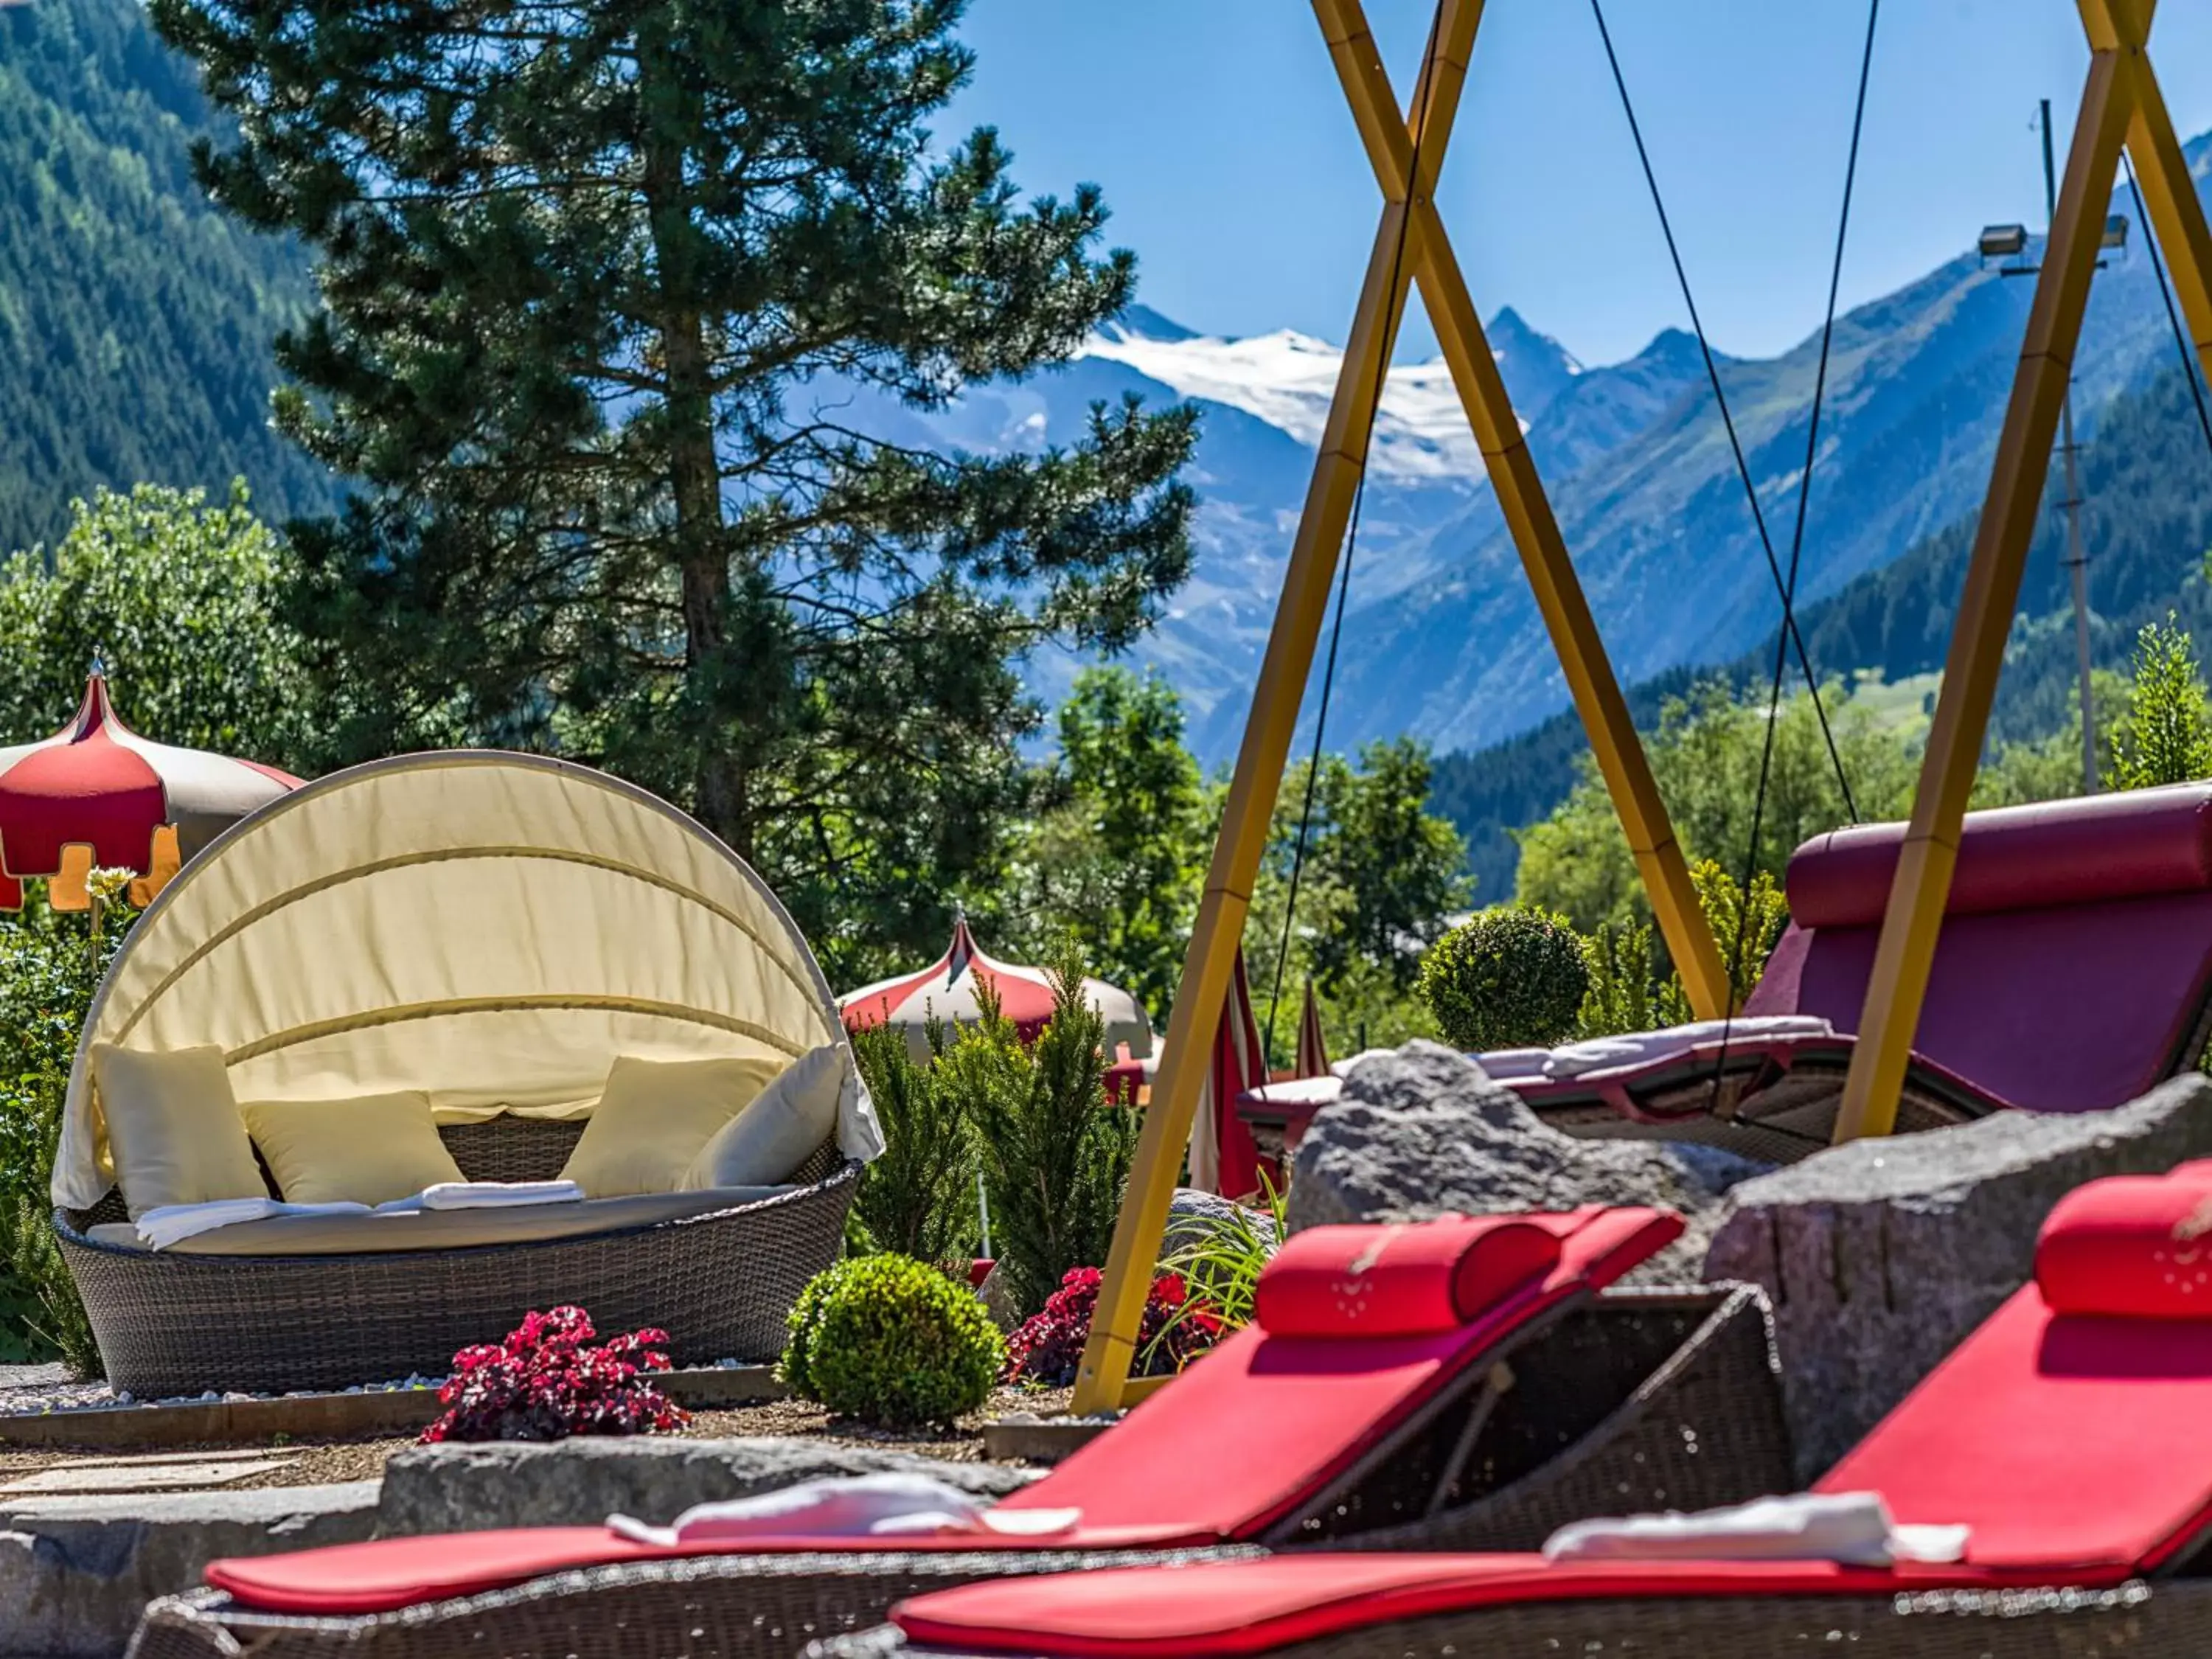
column 2158, row 1619
column 720, row 1284
column 1638, row 1399
column 1782, row 1118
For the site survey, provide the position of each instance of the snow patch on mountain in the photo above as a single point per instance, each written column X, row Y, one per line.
column 1286, row 378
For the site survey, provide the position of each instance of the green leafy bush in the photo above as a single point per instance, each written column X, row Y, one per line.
column 49, row 966
column 1508, row 978
column 1219, row 1258
column 2165, row 733
column 918, row 1198
column 891, row 1341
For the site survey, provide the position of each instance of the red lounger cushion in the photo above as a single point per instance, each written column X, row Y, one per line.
column 2136, row 1247
column 1400, row 1281
column 1226, row 1609
column 1238, row 1440
column 1266, row 1421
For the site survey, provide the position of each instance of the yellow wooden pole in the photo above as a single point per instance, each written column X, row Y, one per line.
column 1528, row 512
column 2177, row 216
column 1246, row 816
column 1917, row 896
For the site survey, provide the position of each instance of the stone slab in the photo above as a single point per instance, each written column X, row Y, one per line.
column 141, row 1477
column 75, row 1572
column 470, row 1488
column 321, row 1416
column 148, row 1460
column 1041, row 1440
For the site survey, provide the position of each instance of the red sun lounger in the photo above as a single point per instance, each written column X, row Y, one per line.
column 2072, row 1435
column 1446, row 1383
column 2073, row 973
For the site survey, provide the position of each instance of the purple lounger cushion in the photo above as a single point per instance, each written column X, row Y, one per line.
column 2076, row 952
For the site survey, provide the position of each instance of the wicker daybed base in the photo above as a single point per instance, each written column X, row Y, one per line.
column 721, row 1285
column 2162, row 1619
column 1638, row 1398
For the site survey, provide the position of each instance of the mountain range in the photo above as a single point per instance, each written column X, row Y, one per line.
column 1442, row 639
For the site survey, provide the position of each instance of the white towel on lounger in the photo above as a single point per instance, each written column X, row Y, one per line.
column 856, row 1506
column 1853, row 1529
column 498, row 1194
column 166, row 1223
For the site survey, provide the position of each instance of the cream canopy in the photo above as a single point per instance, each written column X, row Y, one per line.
column 492, row 929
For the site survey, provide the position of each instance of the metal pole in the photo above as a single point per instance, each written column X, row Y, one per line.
column 2077, row 559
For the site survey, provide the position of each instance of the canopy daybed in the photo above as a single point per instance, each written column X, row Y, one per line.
column 492, row 931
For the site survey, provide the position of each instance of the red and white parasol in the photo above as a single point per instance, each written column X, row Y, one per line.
column 1224, row 1156
column 947, row 989
column 97, row 794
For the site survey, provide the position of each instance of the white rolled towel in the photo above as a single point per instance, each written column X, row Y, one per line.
column 1853, row 1529
column 499, row 1194
column 856, row 1506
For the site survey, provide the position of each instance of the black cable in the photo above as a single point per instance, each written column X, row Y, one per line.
column 2166, row 293
column 1790, row 634
column 1796, row 546
column 1427, row 91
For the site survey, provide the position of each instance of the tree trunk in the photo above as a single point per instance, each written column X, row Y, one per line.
column 695, row 475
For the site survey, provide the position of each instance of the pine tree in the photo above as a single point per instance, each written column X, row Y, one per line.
column 622, row 299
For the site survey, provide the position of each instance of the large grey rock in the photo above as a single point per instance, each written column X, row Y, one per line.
column 1422, row 1131
column 76, row 1572
column 1191, row 1213
column 1881, row 1256
column 449, row 1488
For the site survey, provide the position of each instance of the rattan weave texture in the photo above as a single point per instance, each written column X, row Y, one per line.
column 721, row 1285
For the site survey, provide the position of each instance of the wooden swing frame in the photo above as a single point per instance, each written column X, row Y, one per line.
column 2121, row 105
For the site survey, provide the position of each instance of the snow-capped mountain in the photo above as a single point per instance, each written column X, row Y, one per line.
column 1443, row 639
column 1286, row 378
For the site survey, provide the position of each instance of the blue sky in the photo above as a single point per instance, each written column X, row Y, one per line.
column 1223, row 144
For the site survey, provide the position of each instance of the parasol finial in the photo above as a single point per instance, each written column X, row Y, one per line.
column 99, row 662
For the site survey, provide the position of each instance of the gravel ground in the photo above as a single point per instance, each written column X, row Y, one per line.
column 317, row 1462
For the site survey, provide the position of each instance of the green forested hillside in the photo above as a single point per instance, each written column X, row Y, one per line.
column 135, row 321
column 2146, row 523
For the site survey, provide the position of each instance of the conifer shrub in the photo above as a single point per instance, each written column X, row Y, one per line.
column 1056, row 1153
column 891, row 1341
column 918, row 1198
column 1507, row 978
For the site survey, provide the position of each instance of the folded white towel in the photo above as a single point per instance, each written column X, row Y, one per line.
column 498, row 1194
column 1853, row 1529
column 857, row 1506
column 1601, row 1054
column 1503, row 1065
column 168, row 1224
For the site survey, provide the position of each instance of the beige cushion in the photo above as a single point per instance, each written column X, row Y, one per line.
column 654, row 1115
column 174, row 1129
column 441, row 1230
column 771, row 1139
column 366, row 1151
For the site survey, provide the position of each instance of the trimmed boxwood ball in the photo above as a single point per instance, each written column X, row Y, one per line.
column 1514, row 977
column 891, row 1341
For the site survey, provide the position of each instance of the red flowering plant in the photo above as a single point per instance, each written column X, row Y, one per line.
column 546, row 1382
column 1047, row 1346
